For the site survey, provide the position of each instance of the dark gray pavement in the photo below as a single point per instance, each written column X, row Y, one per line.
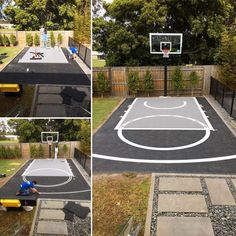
column 220, row 143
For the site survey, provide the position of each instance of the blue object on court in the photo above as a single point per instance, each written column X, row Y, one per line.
column 26, row 185
column 73, row 50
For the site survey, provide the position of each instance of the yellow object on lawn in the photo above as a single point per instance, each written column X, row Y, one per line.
column 10, row 88
column 10, row 203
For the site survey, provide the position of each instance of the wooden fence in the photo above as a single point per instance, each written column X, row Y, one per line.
column 118, row 77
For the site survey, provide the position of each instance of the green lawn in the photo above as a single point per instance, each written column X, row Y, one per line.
column 11, row 53
column 102, row 107
column 8, row 141
column 9, row 167
column 118, row 197
column 13, row 103
column 99, row 63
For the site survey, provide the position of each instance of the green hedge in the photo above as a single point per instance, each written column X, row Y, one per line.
column 9, row 153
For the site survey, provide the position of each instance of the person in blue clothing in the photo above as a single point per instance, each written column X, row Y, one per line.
column 73, row 51
column 27, row 188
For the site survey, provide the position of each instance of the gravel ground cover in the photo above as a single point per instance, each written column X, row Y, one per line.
column 223, row 218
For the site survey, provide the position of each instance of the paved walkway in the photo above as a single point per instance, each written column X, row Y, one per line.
column 50, row 220
column 184, row 205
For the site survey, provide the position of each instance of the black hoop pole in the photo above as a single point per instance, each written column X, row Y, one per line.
column 50, row 151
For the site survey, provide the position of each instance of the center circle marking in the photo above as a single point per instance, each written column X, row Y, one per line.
column 52, row 185
column 202, row 140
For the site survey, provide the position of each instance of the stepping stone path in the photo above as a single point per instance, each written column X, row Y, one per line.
column 191, row 205
column 50, row 218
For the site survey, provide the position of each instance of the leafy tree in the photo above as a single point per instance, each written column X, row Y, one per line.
column 123, row 32
column 227, row 58
column 103, row 84
column 29, row 39
column 177, row 80
column 133, row 82
column 32, row 14
column 194, row 80
column 13, row 40
column 36, row 40
column 82, row 22
column 53, row 41
column 148, row 82
column 5, row 41
column 59, row 39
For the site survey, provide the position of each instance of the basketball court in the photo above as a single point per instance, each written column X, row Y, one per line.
column 165, row 134
column 45, row 66
column 56, row 178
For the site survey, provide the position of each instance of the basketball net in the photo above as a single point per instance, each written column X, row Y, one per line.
column 165, row 53
column 50, row 142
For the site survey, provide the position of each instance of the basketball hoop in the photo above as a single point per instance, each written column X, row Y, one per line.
column 165, row 53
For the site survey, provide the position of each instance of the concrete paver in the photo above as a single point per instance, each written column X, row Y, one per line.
column 184, row 226
column 54, row 228
column 219, row 192
column 180, row 184
column 181, row 203
column 52, row 204
column 51, row 214
column 50, row 98
column 50, row 89
column 234, row 182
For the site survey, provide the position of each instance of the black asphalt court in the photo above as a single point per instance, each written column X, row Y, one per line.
column 75, row 189
column 206, row 150
column 44, row 73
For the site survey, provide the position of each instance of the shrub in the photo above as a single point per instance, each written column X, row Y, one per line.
column 194, row 79
column 59, row 39
column 148, row 82
column 133, row 83
column 36, row 40
column 40, row 151
column 29, row 39
column 65, row 150
column 5, row 41
column 1, row 42
column 53, row 41
column 33, row 151
column 177, row 79
column 17, row 152
column 102, row 83
column 13, row 40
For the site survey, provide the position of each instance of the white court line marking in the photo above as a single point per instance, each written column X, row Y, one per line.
column 52, row 185
column 203, row 114
column 126, row 113
column 26, row 170
column 202, row 140
column 165, row 108
column 201, row 160
column 163, row 128
column 81, row 191
column 68, row 166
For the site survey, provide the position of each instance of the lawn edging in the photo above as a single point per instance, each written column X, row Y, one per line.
column 108, row 116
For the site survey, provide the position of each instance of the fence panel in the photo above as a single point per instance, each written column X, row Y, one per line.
column 83, row 52
column 84, row 160
column 224, row 95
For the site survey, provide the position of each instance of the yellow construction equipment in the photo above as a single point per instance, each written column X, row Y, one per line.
column 10, row 203
column 10, row 88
